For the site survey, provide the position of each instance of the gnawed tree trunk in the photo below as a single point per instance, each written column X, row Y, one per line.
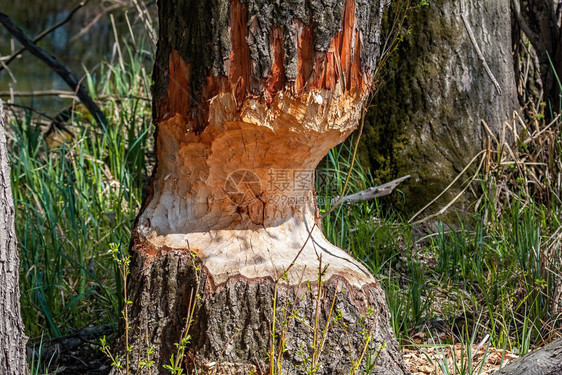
column 426, row 120
column 12, row 337
column 248, row 98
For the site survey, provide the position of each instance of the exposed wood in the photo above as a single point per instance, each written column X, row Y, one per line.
column 544, row 361
column 372, row 192
column 12, row 337
column 57, row 67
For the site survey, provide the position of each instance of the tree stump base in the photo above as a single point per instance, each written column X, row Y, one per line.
column 232, row 324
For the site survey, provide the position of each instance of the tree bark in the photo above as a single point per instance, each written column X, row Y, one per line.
column 427, row 116
column 544, row 361
column 12, row 337
column 248, row 97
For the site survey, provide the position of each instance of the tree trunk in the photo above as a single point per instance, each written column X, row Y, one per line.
column 427, row 116
column 12, row 337
column 248, row 98
column 544, row 361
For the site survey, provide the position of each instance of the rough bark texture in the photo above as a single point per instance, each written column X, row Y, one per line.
column 426, row 118
column 233, row 321
column 544, row 361
column 254, row 47
column 249, row 96
column 12, row 337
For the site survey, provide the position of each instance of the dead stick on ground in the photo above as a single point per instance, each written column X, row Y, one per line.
column 61, row 70
column 44, row 33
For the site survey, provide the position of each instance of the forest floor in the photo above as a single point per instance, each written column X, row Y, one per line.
column 426, row 358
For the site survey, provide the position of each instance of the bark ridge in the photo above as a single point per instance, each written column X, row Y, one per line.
column 12, row 337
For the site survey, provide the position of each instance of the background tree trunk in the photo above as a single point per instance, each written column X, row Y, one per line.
column 248, row 98
column 539, row 22
column 12, row 337
column 426, row 118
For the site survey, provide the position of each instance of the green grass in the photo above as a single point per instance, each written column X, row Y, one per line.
column 490, row 266
column 72, row 201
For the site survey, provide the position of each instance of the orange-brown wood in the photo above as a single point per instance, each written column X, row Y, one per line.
column 276, row 80
column 306, row 58
column 340, row 65
column 178, row 100
column 356, row 77
column 239, row 68
column 341, row 61
column 345, row 48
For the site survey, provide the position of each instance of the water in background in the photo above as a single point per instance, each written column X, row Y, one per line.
column 77, row 49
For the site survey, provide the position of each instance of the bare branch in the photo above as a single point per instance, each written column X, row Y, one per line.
column 533, row 37
column 60, row 69
column 44, row 34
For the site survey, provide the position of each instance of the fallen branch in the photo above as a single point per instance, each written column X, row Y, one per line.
column 372, row 192
column 43, row 34
column 61, row 93
column 61, row 70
